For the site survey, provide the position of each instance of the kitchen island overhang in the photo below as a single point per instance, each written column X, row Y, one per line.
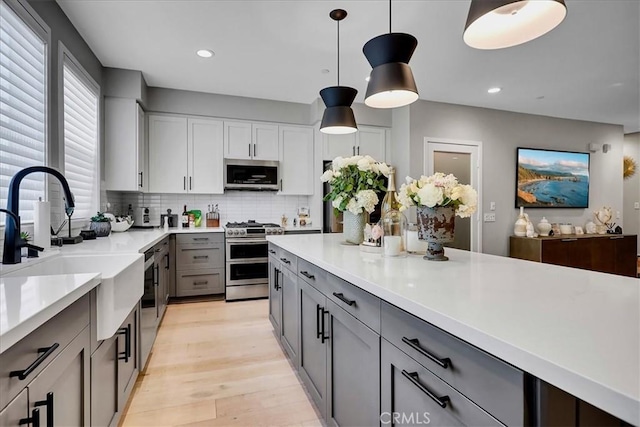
column 574, row 329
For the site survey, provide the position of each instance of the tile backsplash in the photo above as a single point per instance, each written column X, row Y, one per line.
column 233, row 205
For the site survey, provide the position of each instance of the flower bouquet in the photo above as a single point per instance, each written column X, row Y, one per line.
column 354, row 183
column 439, row 198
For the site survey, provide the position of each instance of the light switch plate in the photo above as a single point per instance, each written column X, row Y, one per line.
column 636, row 205
column 492, row 206
column 490, row 217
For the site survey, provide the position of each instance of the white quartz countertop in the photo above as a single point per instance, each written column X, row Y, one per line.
column 27, row 302
column 575, row 329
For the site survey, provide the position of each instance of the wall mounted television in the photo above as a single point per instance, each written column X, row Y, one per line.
column 552, row 179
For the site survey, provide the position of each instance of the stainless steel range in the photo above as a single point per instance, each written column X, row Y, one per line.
column 248, row 259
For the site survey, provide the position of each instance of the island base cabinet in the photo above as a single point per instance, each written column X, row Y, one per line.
column 61, row 390
column 17, row 410
column 412, row 395
column 353, row 373
column 127, row 346
column 289, row 310
column 275, row 296
column 313, row 352
column 104, row 378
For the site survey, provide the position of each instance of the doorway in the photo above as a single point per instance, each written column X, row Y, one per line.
column 462, row 159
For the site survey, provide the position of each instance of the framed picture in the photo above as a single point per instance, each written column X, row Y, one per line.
column 552, row 179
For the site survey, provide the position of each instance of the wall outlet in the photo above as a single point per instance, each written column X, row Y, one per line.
column 636, row 205
column 490, row 217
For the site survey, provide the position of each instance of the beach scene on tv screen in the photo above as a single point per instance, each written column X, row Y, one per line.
column 552, row 179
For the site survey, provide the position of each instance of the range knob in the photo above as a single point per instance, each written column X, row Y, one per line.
column 242, row 232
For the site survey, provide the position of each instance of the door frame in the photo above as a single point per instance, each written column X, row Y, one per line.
column 458, row 145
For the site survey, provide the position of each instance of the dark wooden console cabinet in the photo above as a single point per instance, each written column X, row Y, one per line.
column 608, row 253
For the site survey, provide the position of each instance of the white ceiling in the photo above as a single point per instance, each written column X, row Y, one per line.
column 588, row 68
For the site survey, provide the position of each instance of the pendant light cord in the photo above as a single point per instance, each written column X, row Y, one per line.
column 338, row 52
column 389, row 16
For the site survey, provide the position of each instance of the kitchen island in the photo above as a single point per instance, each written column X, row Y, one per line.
column 573, row 329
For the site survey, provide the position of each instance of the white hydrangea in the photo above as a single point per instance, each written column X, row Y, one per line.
column 439, row 190
column 327, row 176
column 430, row 195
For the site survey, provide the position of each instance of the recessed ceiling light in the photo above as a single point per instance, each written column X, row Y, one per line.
column 494, row 90
column 205, row 53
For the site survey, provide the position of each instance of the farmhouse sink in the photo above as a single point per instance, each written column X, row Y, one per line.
column 120, row 289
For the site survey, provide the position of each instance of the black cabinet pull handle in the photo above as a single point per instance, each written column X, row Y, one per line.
column 201, row 257
column 140, row 173
column 413, row 377
column 569, row 240
column 46, row 352
column 344, row 299
column 184, row 182
column 249, row 149
column 127, row 343
column 199, row 239
column 156, row 278
column 34, row 420
column 49, row 404
column 190, row 183
column 318, row 311
column 200, row 283
column 254, row 150
column 324, row 337
column 276, row 282
column 271, row 251
column 307, row 275
column 286, row 261
column 415, row 344
column 616, row 237
column 166, row 266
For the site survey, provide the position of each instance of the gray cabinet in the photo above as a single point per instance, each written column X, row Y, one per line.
column 162, row 264
column 353, row 370
column 313, row 351
column 288, row 284
column 275, row 296
column 104, row 383
column 127, row 348
column 199, row 264
column 17, row 412
column 61, row 390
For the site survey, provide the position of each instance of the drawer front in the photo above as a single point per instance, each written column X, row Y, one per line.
column 360, row 304
column 189, row 257
column 311, row 274
column 199, row 239
column 60, row 330
column 274, row 251
column 288, row 260
column 412, row 395
column 203, row 282
column 492, row 384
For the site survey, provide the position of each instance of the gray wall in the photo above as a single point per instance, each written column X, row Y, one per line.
column 631, row 187
column 500, row 133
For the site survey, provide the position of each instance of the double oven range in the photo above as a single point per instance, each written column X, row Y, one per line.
column 247, row 259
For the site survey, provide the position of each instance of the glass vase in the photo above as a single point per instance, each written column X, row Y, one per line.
column 394, row 226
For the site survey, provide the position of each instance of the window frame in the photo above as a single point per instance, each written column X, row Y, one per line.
column 36, row 24
column 65, row 57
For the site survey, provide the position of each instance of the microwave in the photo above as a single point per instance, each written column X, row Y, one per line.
column 255, row 175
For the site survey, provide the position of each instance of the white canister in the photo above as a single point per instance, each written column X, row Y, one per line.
column 42, row 224
column 544, row 227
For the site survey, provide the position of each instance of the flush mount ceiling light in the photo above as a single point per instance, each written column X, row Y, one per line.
column 204, row 53
column 496, row 24
column 391, row 84
column 338, row 117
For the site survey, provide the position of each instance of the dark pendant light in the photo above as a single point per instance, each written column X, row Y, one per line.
column 391, row 83
column 496, row 24
column 338, row 116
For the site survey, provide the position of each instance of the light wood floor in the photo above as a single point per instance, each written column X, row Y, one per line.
column 218, row 364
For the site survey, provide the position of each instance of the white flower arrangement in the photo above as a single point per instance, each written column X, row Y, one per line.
column 438, row 190
column 354, row 182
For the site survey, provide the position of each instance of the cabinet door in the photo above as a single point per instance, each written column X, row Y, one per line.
column 121, row 152
column 16, row 411
column 569, row 252
column 296, row 160
column 371, row 141
column 313, row 347
column 275, row 298
column 265, row 142
column 625, row 255
column 237, row 140
column 143, row 151
column 127, row 345
column 104, row 383
column 290, row 314
column 61, row 390
column 338, row 146
column 168, row 154
column 206, row 156
column 353, row 371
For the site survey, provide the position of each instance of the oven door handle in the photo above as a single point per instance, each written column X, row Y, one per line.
column 249, row 241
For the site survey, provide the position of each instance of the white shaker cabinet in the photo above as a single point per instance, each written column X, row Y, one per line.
column 125, row 146
column 245, row 140
column 368, row 140
column 296, row 160
column 185, row 155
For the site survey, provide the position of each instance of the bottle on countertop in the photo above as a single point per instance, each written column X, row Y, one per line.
column 390, row 200
column 185, row 218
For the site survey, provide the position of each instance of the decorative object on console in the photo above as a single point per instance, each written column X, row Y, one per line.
column 579, row 230
column 372, row 238
column 439, row 198
column 394, row 226
column 531, row 232
column 520, row 227
column 355, row 182
column 629, row 167
column 552, row 179
column 566, row 228
column 101, row 224
column 590, row 227
column 544, row 227
column 603, row 218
